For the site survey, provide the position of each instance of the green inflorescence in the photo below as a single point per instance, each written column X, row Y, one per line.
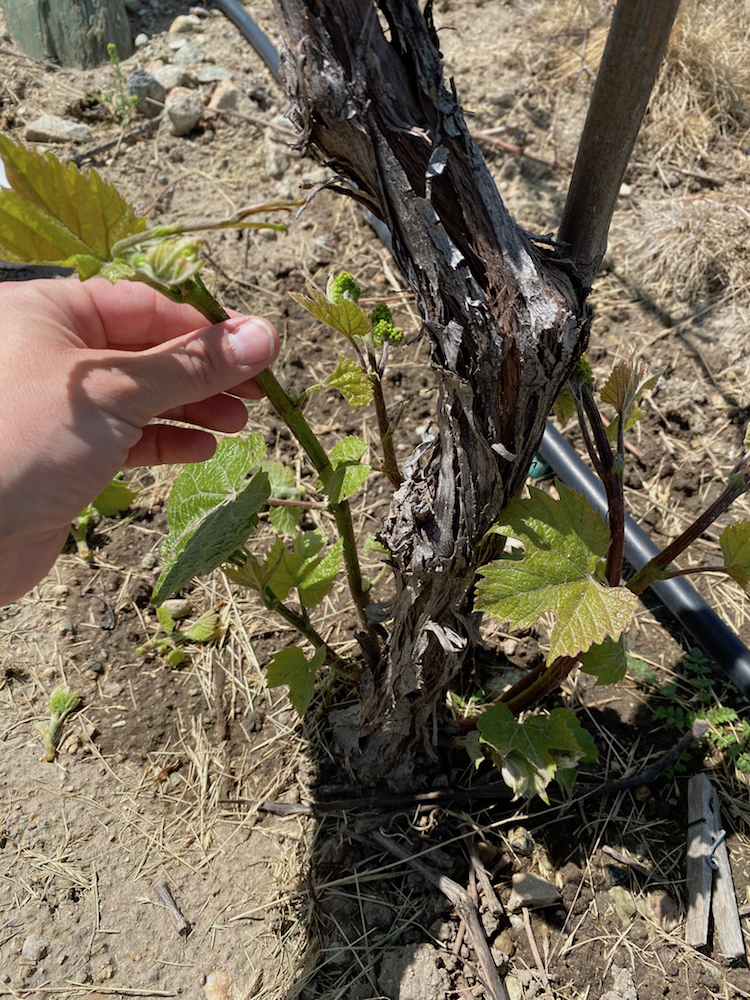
column 343, row 286
column 383, row 328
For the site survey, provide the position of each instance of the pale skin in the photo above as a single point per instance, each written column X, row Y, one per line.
column 87, row 369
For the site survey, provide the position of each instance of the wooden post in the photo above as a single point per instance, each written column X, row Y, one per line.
column 70, row 32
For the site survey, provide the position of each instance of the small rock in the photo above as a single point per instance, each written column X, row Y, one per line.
column 188, row 54
column 211, row 74
column 112, row 689
column 140, row 40
column 276, row 155
column 184, row 109
column 149, row 561
column 225, row 98
column 148, row 90
column 531, row 890
column 60, row 590
column 67, row 627
column 624, row 987
column 171, row 76
column 183, row 24
column 514, row 989
column 317, row 176
column 412, row 973
column 34, row 948
column 52, row 128
column 199, row 12
column 178, row 607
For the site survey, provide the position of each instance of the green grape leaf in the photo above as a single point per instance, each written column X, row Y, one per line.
column 165, row 619
column 211, row 512
column 347, row 474
column 305, row 569
column 284, row 519
column 607, row 661
column 530, row 752
column 291, row 666
column 116, row 497
column 344, row 316
column 172, row 261
column 53, row 213
column 565, row 541
column 205, row 628
column 564, row 407
column 63, row 700
column 354, row 384
column 735, row 544
column 624, row 387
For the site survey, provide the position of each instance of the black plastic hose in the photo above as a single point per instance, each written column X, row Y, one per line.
column 679, row 596
column 250, row 30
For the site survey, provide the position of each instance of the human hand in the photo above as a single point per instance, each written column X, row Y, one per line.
column 84, row 368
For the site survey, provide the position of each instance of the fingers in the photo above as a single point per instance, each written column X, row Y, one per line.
column 225, row 414
column 162, row 444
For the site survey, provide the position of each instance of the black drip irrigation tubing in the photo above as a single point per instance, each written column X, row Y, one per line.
column 678, row 595
column 250, row 30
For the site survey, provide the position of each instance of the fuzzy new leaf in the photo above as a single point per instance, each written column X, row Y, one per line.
column 624, row 387
column 54, row 213
column 291, row 666
column 212, row 510
column 530, row 752
column 284, row 519
column 115, row 498
column 305, row 569
column 607, row 661
column 344, row 316
column 354, row 384
column 565, row 541
column 735, row 544
column 347, row 474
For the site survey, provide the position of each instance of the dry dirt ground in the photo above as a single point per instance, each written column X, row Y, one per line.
column 159, row 775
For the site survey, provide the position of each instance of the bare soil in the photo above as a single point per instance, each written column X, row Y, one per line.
column 160, row 775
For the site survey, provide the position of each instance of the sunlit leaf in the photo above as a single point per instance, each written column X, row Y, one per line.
column 354, row 384
column 54, row 213
column 565, row 541
column 529, row 752
column 116, row 497
column 607, row 661
column 205, row 628
column 291, row 666
column 624, row 387
column 735, row 544
column 347, row 473
column 344, row 316
column 211, row 512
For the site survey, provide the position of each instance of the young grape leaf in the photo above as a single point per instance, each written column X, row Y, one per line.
column 291, row 666
column 624, row 387
column 347, row 474
column 344, row 316
column 116, row 497
column 165, row 619
column 735, row 544
column 53, row 213
column 607, row 661
column 212, row 510
column 284, row 519
column 564, row 406
column 529, row 753
column 305, row 569
column 205, row 628
column 565, row 541
column 354, row 384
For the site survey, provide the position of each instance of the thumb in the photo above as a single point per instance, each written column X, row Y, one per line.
column 195, row 367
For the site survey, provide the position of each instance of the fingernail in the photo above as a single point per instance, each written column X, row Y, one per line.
column 253, row 342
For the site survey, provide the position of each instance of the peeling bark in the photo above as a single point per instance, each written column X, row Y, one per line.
column 504, row 312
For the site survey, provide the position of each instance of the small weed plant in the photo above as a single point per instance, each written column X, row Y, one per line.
column 562, row 557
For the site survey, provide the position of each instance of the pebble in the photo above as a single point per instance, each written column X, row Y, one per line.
column 150, row 92
column 190, row 53
column 171, row 76
column 210, row 73
column 276, row 155
column 140, row 40
column 52, row 128
column 531, row 890
column 149, row 561
column 34, row 948
column 184, row 109
column 183, row 24
column 112, row 689
column 60, row 590
column 225, row 98
column 178, row 607
column 199, row 12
